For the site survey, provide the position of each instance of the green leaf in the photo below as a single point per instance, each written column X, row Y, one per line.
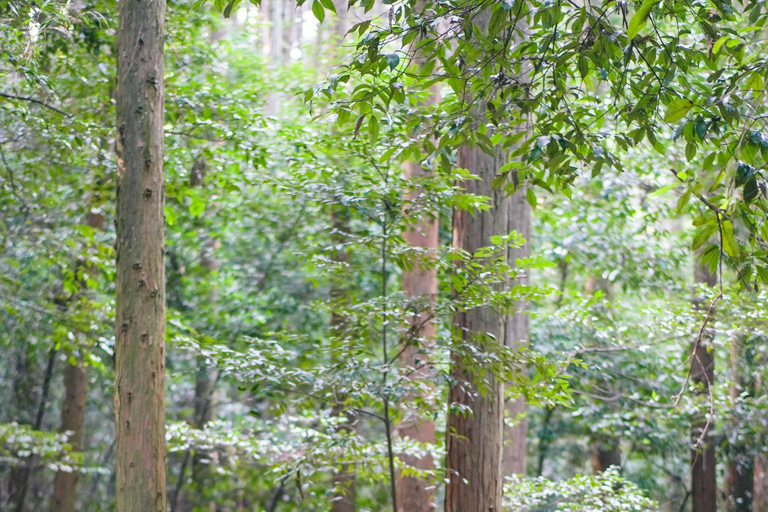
column 640, row 18
column 328, row 4
column 677, row 109
column 703, row 235
column 530, row 196
column 750, row 190
column 318, row 11
column 730, row 245
column 744, row 172
column 716, row 47
column 392, row 60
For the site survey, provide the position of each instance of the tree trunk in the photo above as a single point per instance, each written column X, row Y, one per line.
column 517, row 333
column 475, row 441
column 760, row 482
column 72, row 417
column 415, row 494
column 421, row 284
column 740, row 465
column 703, row 476
column 345, row 481
column 73, row 405
column 140, row 281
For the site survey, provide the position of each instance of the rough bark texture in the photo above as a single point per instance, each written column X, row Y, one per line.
column 140, row 282
column 517, row 333
column 72, row 417
column 414, row 494
column 703, row 475
column 475, row 442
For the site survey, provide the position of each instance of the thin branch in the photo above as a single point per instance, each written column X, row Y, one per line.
column 35, row 101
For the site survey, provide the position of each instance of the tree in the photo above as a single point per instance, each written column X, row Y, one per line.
column 704, row 466
column 140, row 256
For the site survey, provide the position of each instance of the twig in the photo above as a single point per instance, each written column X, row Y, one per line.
column 35, row 101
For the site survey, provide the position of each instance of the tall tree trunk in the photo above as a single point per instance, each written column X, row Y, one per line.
column 606, row 448
column 139, row 394
column 760, row 468
column 73, row 405
column 345, row 481
column 72, row 417
column 419, row 283
column 703, row 476
column 760, row 483
column 740, row 466
column 517, row 333
column 475, row 441
column 415, row 494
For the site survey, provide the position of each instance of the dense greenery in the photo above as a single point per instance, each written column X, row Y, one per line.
column 636, row 131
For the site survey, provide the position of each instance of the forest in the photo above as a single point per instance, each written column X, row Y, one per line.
column 383, row 255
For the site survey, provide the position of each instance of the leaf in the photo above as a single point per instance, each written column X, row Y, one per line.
column 744, row 172
column 318, row 11
column 392, row 60
column 703, row 235
column 730, row 245
column 373, row 129
column 690, row 151
column 530, row 196
column 640, row 18
column 716, row 47
column 228, row 9
column 677, row 109
column 750, row 190
column 328, row 4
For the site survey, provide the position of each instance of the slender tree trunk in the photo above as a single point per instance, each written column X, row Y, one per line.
column 703, row 475
column 140, row 281
column 740, row 466
column 415, row 494
column 73, row 406
column 475, row 441
column 345, row 481
column 419, row 283
column 760, row 467
column 72, row 417
column 760, row 483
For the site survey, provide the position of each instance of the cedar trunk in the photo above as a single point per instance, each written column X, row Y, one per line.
column 415, row 494
column 140, row 483
column 475, row 441
column 703, row 476
column 72, row 417
column 517, row 333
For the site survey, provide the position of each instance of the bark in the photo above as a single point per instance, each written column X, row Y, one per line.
column 475, row 441
column 760, row 482
column 606, row 448
column 345, row 481
column 205, row 412
column 19, row 481
column 420, row 284
column 517, row 333
column 415, row 494
column 72, row 417
column 760, row 468
column 139, row 395
column 73, row 410
column 703, row 476
column 739, row 466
